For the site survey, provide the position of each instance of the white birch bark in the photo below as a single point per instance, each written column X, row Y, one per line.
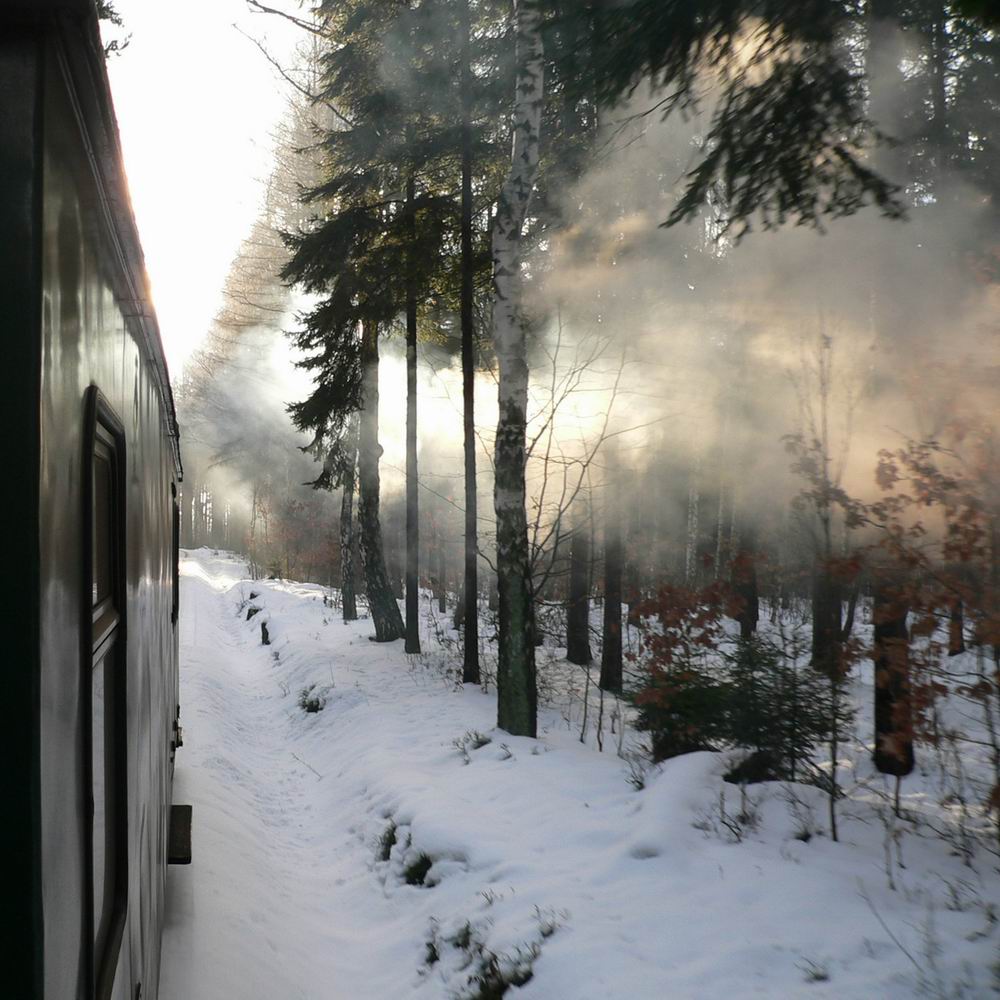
column 516, row 662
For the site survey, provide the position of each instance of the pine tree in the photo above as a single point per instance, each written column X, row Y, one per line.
column 394, row 242
column 368, row 256
column 381, row 600
column 470, row 639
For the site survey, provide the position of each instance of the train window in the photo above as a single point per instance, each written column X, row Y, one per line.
column 103, row 524
column 104, row 656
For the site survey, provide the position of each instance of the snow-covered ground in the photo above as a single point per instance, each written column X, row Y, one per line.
column 543, row 859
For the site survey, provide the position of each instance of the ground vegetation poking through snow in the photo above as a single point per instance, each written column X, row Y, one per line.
column 396, row 844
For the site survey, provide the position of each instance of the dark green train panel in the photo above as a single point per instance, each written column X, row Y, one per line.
column 90, row 588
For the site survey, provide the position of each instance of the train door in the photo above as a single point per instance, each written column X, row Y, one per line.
column 104, row 686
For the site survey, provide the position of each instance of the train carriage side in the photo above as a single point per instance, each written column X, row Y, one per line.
column 94, row 682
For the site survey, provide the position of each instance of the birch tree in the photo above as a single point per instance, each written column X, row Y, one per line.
column 516, row 682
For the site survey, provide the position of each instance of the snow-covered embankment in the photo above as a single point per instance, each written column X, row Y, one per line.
column 373, row 849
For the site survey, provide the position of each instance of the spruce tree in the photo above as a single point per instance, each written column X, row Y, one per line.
column 366, row 255
column 395, row 213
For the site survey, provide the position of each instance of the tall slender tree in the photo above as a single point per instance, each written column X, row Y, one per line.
column 578, row 606
column 368, row 254
column 405, row 150
column 517, row 693
column 381, row 603
column 412, row 643
column 348, row 585
column 470, row 651
column 611, row 642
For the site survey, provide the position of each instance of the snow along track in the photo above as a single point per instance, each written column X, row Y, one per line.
column 250, row 918
column 537, row 846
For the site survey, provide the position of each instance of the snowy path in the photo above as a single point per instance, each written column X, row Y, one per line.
column 542, row 855
column 251, row 917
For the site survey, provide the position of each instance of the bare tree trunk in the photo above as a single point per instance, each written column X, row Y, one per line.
column 348, row 594
column 893, row 714
column 745, row 583
column 382, row 605
column 442, row 557
column 516, row 691
column 826, row 627
column 691, row 549
column 470, row 645
column 439, row 583
column 852, row 609
column 611, row 644
column 578, row 606
column 719, row 521
column 393, row 551
column 412, row 643
column 956, row 627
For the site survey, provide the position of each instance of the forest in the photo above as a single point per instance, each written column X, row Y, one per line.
column 640, row 360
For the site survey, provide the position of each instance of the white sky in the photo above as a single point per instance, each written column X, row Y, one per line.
column 196, row 104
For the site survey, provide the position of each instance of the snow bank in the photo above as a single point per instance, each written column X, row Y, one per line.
column 395, row 844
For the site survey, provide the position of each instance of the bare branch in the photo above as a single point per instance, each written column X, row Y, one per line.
column 260, row 8
column 289, row 79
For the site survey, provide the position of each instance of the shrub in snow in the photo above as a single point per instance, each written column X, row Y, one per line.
column 731, row 825
column 803, row 813
column 415, row 872
column 679, row 701
column 483, row 974
column 405, row 863
column 775, row 709
column 637, row 765
column 700, row 689
column 682, row 710
column 498, row 973
column 471, row 740
column 815, row 972
column 386, row 842
column 311, row 700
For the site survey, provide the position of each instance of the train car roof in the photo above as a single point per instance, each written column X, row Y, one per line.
column 74, row 24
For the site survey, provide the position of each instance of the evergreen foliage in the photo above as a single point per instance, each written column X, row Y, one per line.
column 759, row 67
column 418, row 92
column 389, row 72
column 701, row 689
column 106, row 11
column 775, row 709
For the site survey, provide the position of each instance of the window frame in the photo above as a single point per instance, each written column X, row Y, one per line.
column 100, row 625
